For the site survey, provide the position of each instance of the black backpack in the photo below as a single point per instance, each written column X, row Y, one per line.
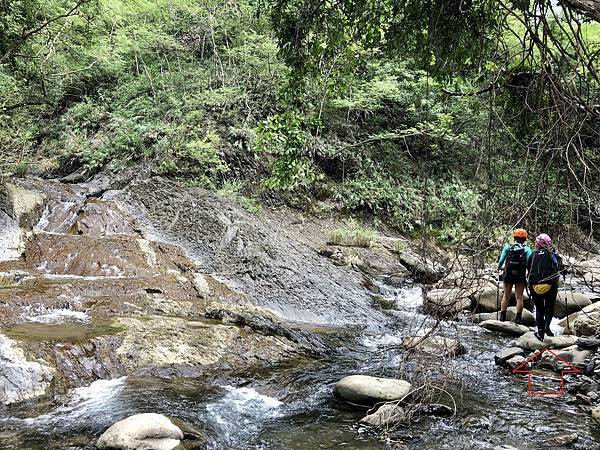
column 516, row 260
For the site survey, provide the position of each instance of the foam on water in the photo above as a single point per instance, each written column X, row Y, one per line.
column 242, row 412
column 84, row 404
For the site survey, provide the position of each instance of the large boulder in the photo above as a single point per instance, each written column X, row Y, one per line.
column 587, row 324
column 434, row 345
column 527, row 317
column 446, row 302
column 568, row 302
column 529, row 342
column 573, row 354
column 147, row 431
column 488, row 299
column 364, row 389
column 21, row 379
column 506, row 327
column 596, row 414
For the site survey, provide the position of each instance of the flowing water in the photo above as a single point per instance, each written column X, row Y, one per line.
column 289, row 406
column 292, row 407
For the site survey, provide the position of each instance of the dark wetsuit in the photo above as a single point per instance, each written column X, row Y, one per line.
column 544, row 268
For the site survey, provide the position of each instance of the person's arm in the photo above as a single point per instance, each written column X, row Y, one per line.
column 502, row 256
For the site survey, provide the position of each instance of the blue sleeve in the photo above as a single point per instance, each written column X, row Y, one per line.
column 502, row 257
column 528, row 253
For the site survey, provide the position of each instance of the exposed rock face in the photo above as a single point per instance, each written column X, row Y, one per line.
column 568, row 302
column 434, row 345
column 19, row 208
column 141, row 432
column 529, row 342
column 506, row 327
column 164, row 341
column 250, row 255
column 511, row 313
column 365, row 389
column 20, row 379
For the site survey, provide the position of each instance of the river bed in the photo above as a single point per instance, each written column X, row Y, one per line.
column 292, row 406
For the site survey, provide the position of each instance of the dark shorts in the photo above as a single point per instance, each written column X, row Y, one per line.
column 514, row 279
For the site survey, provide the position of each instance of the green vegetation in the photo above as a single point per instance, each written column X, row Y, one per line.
column 353, row 235
column 457, row 128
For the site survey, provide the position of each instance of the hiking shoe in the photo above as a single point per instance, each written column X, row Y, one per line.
column 502, row 316
column 539, row 336
column 518, row 319
column 549, row 332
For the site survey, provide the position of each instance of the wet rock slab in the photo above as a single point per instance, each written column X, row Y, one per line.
column 505, row 327
column 529, row 342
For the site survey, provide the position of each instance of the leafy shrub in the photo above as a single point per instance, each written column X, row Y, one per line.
column 285, row 136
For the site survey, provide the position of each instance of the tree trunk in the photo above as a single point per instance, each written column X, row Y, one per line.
column 590, row 8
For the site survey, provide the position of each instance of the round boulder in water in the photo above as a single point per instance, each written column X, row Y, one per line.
column 142, row 431
column 365, row 389
column 505, row 327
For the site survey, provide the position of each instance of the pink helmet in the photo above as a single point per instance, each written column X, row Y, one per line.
column 543, row 240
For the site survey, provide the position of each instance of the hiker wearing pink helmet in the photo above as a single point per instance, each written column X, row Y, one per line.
column 543, row 240
column 544, row 268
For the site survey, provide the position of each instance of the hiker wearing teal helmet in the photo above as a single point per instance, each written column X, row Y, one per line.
column 514, row 258
column 544, row 268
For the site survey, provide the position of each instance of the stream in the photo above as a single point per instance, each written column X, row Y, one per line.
column 287, row 406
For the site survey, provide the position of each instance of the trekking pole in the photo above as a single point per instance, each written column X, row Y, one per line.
column 498, row 295
column 566, row 303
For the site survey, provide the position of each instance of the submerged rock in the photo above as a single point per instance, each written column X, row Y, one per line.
column 147, row 431
column 364, row 389
column 387, row 415
column 20, row 379
column 529, row 342
column 505, row 327
column 435, row 345
column 511, row 313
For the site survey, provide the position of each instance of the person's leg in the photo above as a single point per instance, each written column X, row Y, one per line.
column 549, row 308
column 505, row 300
column 519, row 288
column 539, row 315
